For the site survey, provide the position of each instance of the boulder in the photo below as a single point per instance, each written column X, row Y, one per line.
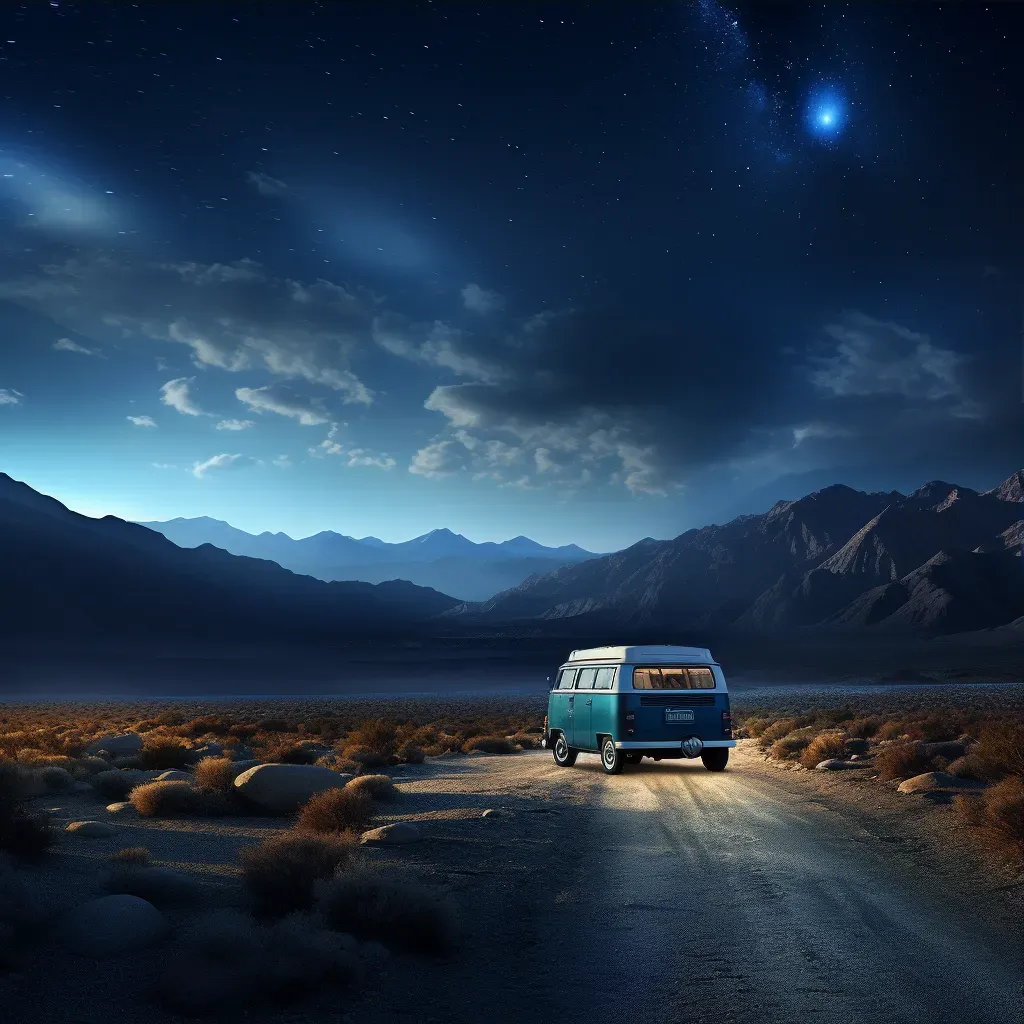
column 833, row 764
column 931, row 781
column 121, row 807
column 207, row 750
column 243, row 766
column 950, row 750
column 91, row 829
column 241, row 753
column 119, row 746
column 94, row 764
column 398, row 834
column 111, row 926
column 173, row 775
column 284, row 788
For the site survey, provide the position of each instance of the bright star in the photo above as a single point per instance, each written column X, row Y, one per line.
column 826, row 113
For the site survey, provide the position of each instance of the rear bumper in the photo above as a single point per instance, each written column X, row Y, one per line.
column 671, row 745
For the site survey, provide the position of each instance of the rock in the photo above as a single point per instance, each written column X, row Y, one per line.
column 115, row 781
column 856, row 745
column 111, row 926
column 94, row 764
column 241, row 753
column 82, row 787
column 931, row 781
column 950, row 750
column 207, row 750
column 121, row 807
column 118, row 746
column 173, row 775
column 833, row 764
column 490, row 813
column 284, row 788
column 398, row 834
column 91, row 829
column 243, row 766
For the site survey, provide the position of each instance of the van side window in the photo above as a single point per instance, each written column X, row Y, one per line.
column 701, row 678
column 605, row 679
column 586, row 679
column 565, row 678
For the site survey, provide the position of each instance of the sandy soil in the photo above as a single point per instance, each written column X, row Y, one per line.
column 665, row 894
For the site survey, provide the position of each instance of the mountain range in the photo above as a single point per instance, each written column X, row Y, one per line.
column 69, row 577
column 441, row 560
column 943, row 559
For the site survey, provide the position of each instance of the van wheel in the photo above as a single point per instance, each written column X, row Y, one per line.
column 715, row 759
column 612, row 759
column 564, row 755
column 634, row 758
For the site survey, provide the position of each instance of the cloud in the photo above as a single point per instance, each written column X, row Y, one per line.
column 439, row 459
column 266, row 185
column 8, row 396
column 480, row 300
column 142, row 421
column 163, row 465
column 362, row 457
column 175, row 393
column 67, row 345
column 435, row 344
column 282, row 462
column 221, row 462
column 283, row 400
column 231, row 316
column 235, row 424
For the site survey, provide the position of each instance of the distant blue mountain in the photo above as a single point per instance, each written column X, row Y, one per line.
column 440, row 559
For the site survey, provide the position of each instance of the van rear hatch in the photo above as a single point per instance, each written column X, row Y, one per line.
column 671, row 704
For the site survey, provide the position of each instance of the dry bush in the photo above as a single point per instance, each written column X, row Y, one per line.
column 824, row 747
column 378, row 736
column 1000, row 749
column 173, row 799
column 56, row 778
column 891, row 730
column 161, row 752
column 862, row 728
column 216, row 773
column 364, row 757
column 398, row 913
column 376, row 787
column 231, row 961
column 137, row 855
column 970, row 766
column 23, row 834
column 32, row 758
column 288, row 752
column 776, row 731
column 900, row 761
column 998, row 814
column 280, row 873
column 411, row 753
column 489, row 745
column 936, row 727
column 753, row 727
column 161, row 886
column 344, row 809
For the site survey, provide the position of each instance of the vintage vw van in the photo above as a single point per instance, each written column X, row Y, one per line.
column 626, row 703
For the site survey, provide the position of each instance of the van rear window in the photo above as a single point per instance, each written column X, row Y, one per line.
column 673, row 679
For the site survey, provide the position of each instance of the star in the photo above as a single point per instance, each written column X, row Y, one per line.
column 826, row 113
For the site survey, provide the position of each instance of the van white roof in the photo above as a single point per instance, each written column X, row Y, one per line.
column 647, row 655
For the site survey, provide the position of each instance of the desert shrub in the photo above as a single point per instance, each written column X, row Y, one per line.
column 216, row 773
column 753, row 727
column 998, row 814
column 822, row 748
column 56, row 778
column 280, row 873
column 163, row 887
column 162, row 752
column 525, row 741
column 411, row 753
column 891, row 730
column 856, row 745
column 900, row 761
column 93, row 765
column 213, row 725
column 289, row 753
column 378, row 736
column 274, row 725
column 862, row 728
column 23, row 834
column 970, row 766
column 396, row 912
column 376, row 787
column 138, row 855
column 173, row 799
column 776, row 731
column 1000, row 750
column 337, row 810
column 364, row 757
column 489, row 745
column 937, row 727
column 33, row 758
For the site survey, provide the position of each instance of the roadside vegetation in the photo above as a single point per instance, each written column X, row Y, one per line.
column 977, row 758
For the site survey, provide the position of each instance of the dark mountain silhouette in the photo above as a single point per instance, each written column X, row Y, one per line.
column 71, row 576
column 442, row 560
column 943, row 558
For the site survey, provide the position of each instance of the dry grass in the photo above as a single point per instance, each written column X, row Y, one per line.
column 376, row 787
column 997, row 814
column 280, row 873
column 346, row 809
column 398, row 913
column 1000, row 750
column 824, row 747
column 489, row 745
column 137, row 855
column 177, row 799
column 900, row 761
column 161, row 752
column 215, row 773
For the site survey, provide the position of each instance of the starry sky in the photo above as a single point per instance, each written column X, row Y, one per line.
column 588, row 272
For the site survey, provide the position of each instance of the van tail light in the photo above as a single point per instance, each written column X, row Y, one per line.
column 727, row 725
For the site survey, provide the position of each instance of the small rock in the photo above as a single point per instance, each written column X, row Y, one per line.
column 111, row 925
column 121, row 807
column 173, row 775
column 91, row 829
column 835, row 764
column 490, row 813
column 398, row 834
column 118, row 746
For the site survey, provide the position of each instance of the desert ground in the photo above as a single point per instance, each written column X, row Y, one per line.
column 668, row 893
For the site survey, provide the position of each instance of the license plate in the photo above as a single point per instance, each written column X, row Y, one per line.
column 678, row 716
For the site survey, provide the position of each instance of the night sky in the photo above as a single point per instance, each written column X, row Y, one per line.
column 588, row 272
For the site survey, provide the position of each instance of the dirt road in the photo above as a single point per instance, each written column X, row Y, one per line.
column 673, row 894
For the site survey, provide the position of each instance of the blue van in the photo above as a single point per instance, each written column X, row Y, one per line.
column 627, row 703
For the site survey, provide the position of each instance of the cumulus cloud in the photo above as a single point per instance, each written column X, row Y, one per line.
column 176, row 394
column 363, row 457
column 266, row 185
column 235, row 424
column 67, row 345
column 142, row 421
column 221, row 462
column 480, row 300
column 435, row 344
column 285, row 401
column 439, row 459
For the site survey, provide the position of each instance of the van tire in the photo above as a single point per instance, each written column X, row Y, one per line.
column 634, row 758
column 564, row 755
column 715, row 758
column 612, row 757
